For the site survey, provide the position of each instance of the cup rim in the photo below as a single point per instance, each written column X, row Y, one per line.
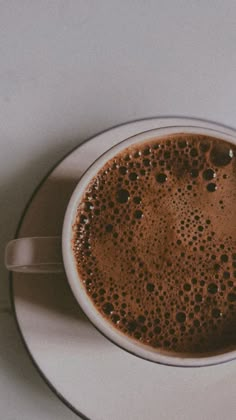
column 75, row 282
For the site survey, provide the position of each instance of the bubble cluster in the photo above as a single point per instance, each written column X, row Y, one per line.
column 155, row 243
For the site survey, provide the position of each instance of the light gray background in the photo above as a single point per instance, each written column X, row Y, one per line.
column 71, row 68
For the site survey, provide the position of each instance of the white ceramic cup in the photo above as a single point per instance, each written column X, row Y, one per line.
column 54, row 254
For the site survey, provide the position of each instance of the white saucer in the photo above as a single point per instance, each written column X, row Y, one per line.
column 91, row 375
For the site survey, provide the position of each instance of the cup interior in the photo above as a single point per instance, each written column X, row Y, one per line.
column 113, row 334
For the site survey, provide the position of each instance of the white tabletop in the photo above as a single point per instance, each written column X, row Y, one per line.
column 69, row 69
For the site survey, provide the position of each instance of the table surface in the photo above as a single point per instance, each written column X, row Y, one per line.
column 69, row 69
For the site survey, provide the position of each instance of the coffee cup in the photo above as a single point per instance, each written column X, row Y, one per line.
column 55, row 254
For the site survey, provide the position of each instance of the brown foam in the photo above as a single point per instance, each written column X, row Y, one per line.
column 155, row 243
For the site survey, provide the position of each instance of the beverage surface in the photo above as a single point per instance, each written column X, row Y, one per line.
column 155, row 243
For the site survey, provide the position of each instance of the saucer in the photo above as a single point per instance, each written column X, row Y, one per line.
column 92, row 376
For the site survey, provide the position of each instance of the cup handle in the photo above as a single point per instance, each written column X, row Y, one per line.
column 34, row 255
